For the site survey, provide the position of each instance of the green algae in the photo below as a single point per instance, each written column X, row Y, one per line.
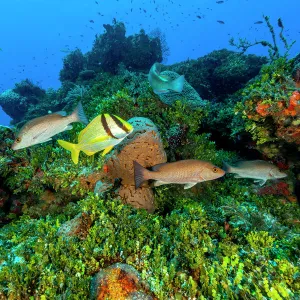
column 182, row 253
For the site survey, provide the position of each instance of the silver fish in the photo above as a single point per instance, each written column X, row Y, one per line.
column 188, row 172
column 162, row 84
column 42, row 129
column 256, row 169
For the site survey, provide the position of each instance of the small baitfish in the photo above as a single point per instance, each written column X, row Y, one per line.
column 163, row 84
column 188, row 172
column 102, row 133
column 256, row 169
column 42, row 129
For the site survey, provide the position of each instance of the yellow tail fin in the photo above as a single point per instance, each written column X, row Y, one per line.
column 72, row 148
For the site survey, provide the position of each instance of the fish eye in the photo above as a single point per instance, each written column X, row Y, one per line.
column 215, row 169
column 18, row 140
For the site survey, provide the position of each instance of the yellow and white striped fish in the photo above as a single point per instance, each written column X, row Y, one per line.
column 102, row 133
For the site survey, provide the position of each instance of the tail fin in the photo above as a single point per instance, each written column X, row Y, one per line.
column 226, row 167
column 78, row 114
column 72, row 148
column 141, row 174
column 177, row 84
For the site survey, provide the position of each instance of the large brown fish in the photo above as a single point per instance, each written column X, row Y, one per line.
column 42, row 129
column 188, row 172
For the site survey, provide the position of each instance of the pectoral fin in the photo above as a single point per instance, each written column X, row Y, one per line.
column 61, row 113
column 238, row 176
column 159, row 183
column 261, row 182
column 47, row 140
column 99, row 139
column 106, row 150
column 69, row 127
column 89, row 153
column 189, row 185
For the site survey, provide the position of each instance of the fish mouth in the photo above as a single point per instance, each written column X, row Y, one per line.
column 16, row 147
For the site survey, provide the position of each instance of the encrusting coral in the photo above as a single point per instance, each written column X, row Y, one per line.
column 119, row 281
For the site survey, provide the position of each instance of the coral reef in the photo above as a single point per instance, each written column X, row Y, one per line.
column 185, row 253
column 27, row 101
column 119, row 281
column 273, row 49
column 220, row 73
column 22, row 99
column 73, row 65
column 296, row 71
column 76, row 231
column 79, row 226
column 136, row 52
column 270, row 108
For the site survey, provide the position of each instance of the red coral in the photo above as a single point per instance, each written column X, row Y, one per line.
column 262, row 109
column 280, row 188
column 294, row 101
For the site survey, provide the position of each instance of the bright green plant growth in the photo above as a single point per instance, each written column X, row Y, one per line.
column 184, row 254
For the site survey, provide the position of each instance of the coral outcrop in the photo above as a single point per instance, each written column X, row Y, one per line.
column 136, row 52
column 145, row 146
column 119, row 281
column 73, row 65
column 78, row 226
column 21, row 99
column 220, row 73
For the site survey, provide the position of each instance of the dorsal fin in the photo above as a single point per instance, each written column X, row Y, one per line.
column 61, row 113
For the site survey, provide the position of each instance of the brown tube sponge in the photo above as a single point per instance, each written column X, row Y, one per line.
column 145, row 146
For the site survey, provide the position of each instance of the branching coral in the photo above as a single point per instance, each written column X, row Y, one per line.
column 273, row 48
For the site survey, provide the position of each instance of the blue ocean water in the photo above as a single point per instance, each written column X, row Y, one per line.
column 37, row 34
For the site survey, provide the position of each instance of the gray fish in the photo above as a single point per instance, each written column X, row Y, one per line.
column 256, row 169
column 42, row 129
column 163, row 84
column 188, row 172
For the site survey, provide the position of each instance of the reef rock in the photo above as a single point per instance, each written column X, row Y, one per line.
column 119, row 281
column 145, row 146
column 220, row 73
column 79, row 226
column 18, row 101
column 110, row 49
column 73, row 65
